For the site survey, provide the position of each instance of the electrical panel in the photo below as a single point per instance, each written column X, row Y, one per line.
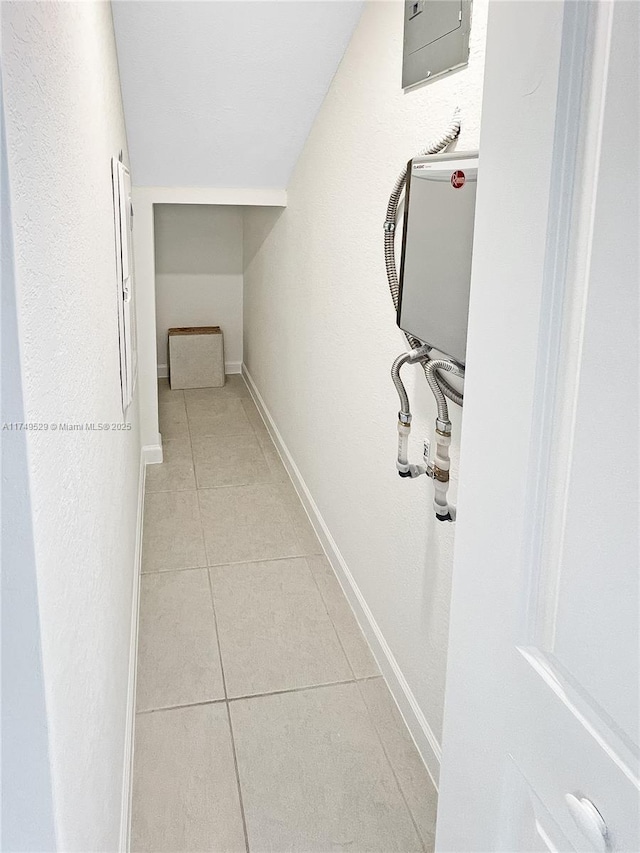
column 436, row 38
column 437, row 243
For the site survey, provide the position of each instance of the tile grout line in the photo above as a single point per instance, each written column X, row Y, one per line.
column 392, row 768
column 291, row 690
column 179, row 707
column 335, row 627
column 180, row 569
column 272, row 481
column 271, row 478
column 333, row 624
column 193, row 463
column 226, row 701
column 202, row 536
column 273, row 447
column 247, row 696
column 260, row 448
column 296, row 556
column 230, row 396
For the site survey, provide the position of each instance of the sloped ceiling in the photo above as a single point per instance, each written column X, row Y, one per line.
column 222, row 93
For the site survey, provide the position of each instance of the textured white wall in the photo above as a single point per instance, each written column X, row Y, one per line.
column 27, row 805
column 198, row 259
column 223, row 94
column 315, row 287
column 64, row 123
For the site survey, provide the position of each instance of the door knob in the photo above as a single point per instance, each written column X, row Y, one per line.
column 589, row 821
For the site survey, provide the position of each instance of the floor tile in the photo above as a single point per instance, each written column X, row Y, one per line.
column 323, row 768
column 353, row 642
column 221, row 416
column 307, row 538
column 234, row 386
column 309, row 542
column 230, row 460
column 172, row 417
column 314, row 776
column 185, row 795
column 172, row 533
column 166, row 394
column 257, row 423
column 246, row 523
column 178, row 659
column 276, row 467
column 175, row 473
column 275, row 463
column 274, row 630
column 415, row 782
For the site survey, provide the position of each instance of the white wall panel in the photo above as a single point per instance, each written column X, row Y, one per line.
column 320, row 337
column 64, row 123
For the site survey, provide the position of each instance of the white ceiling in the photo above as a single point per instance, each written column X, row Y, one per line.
column 222, row 93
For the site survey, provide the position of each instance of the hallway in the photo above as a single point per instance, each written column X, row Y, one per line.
column 262, row 720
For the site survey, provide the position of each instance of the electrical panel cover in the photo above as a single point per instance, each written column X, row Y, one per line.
column 436, row 38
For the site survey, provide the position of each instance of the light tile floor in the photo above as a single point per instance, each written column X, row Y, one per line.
column 263, row 723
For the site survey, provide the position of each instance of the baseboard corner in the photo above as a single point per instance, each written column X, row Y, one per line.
column 152, row 453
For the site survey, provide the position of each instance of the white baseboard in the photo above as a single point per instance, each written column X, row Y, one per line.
column 152, row 453
column 425, row 740
column 229, row 367
column 125, row 814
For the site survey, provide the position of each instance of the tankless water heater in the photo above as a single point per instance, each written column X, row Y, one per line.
column 437, row 242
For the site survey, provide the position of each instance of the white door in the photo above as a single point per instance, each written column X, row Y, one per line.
column 540, row 746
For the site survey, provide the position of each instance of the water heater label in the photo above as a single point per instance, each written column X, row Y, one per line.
column 458, row 179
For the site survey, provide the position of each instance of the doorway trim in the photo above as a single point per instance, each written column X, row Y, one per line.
column 144, row 199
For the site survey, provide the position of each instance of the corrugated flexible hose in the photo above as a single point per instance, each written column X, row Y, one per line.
column 435, row 382
column 435, row 147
